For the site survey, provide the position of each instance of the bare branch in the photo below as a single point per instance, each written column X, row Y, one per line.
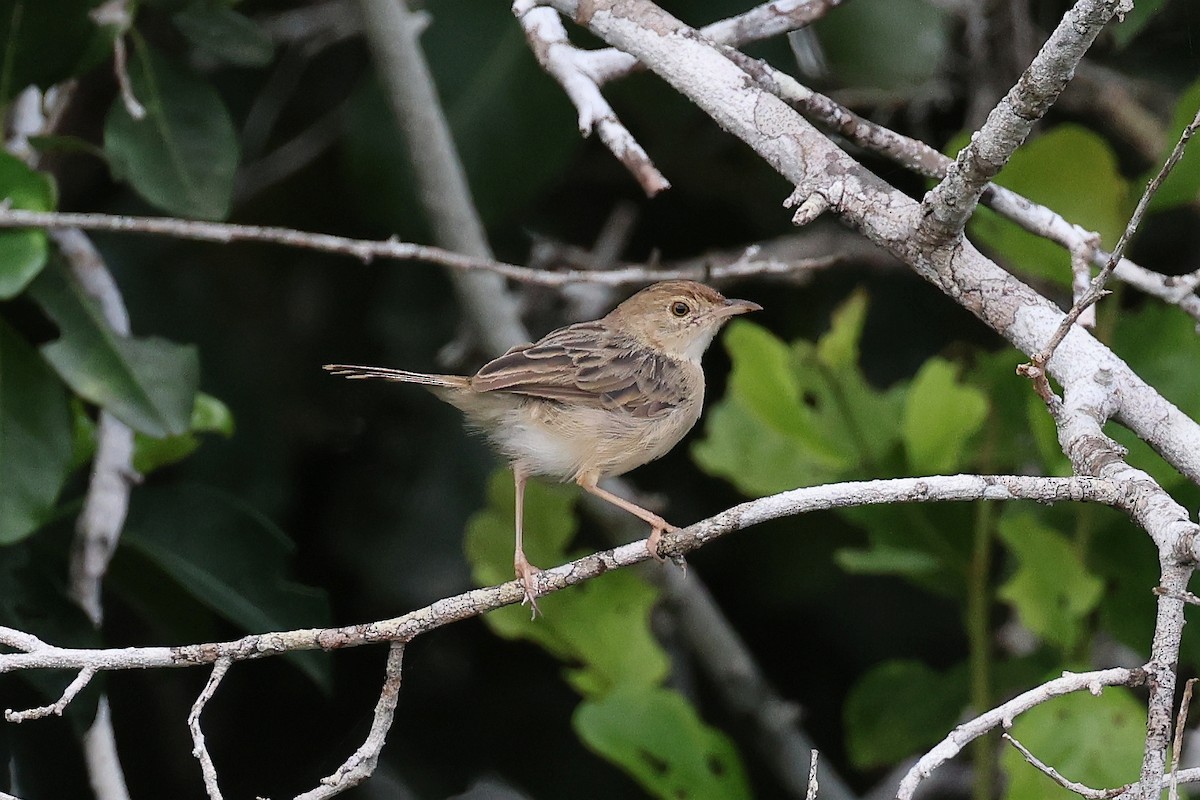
column 924, row 160
column 1096, row 290
column 548, row 39
column 811, row 794
column 1056, row 776
column 1003, row 716
column 1177, row 745
column 743, row 265
column 199, row 750
column 359, row 766
column 56, row 708
column 115, row 14
column 36, row 654
column 947, row 207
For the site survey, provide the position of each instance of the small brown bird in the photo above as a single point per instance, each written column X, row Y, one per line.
column 591, row 400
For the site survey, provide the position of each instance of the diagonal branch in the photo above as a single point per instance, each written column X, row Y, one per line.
column 36, row 654
column 947, row 207
column 1002, row 717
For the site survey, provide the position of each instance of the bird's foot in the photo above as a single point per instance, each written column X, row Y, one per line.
column 527, row 573
column 656, row 533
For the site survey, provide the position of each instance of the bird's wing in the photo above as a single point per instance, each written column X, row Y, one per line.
column 587, row 364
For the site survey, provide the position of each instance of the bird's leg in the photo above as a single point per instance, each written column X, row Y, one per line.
column 525, row 571
column 657, row 524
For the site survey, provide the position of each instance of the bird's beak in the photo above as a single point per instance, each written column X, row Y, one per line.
column 734, row 307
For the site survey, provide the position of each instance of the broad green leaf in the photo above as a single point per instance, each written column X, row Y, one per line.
column 229, row 557
column 900, row 708
column 1096, row 741
column 1051, row 590
column 209, row 415
column 1182, row 186
column 940, row 417
column 35, row 438
column 149, row 384
column 1069, row 169
column 802, row 414
column 182, row 156
column 226, row 34
column 601, row 628
column 885, row 43
column 655, row 736
column 45, row 42
column 22, row 253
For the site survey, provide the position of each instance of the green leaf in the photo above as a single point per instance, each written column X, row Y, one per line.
column 45, row 43
column 1182, row 186
column 1069, row 169
column 940, row 416
column 35, row 438
column 656, row 737
column 1096, row 741
column 149, row 384
column 182, row 156
column 1051, row 590
column 899, row 708
column 226, row 34
column 601, row 627
column 22, row 253
column 209, row 415
column 802, row 414
column 229, row 557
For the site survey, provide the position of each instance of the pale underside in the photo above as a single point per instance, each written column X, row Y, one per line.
column 588, row 403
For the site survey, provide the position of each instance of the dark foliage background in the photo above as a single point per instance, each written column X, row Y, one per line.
column 374, row 484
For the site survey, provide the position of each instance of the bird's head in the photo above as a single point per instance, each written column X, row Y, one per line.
column 680, row 318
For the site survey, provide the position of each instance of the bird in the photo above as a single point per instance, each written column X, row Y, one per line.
column 592, row 400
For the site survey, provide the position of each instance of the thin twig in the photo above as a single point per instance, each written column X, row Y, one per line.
column 56, row 708
column 359, row 766
column 1177, row 745
column 199, row 750
column 1096, row 290
column 1056, row 776
column 1003, row 715
column 811, row 794
column 744, row 265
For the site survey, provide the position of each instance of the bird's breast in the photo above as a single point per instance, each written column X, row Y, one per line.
column 564, row 440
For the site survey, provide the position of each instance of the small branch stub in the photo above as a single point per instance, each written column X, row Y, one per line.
column 810, row 207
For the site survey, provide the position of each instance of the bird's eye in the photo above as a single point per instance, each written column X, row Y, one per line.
column 680, row 308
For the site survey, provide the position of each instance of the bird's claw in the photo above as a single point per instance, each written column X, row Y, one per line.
column 655, row 537
column 527, row 573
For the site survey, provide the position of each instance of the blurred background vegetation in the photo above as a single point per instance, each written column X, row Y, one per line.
column 279, row 497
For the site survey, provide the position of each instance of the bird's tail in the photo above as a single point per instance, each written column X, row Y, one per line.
column 358, row 373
